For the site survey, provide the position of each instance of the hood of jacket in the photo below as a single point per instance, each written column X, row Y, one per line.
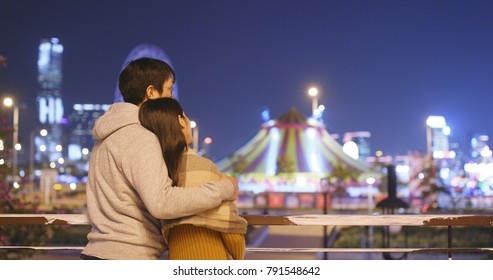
column 119, row 115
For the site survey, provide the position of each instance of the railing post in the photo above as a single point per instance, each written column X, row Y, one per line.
column 326, row 239
column 266, row 208
column 449, row 245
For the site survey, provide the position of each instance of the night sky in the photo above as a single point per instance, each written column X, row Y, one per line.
column 380, row 66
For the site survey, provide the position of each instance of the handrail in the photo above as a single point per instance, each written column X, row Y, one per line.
column 289, row 220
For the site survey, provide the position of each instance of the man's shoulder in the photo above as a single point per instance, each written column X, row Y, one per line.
column 143, row 138
column 133, row 138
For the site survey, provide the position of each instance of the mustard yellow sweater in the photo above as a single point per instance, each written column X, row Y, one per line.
column 215, row 234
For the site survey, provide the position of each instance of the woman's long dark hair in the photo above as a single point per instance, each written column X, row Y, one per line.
column 161, row 117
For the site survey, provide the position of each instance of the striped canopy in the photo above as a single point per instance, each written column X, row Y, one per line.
column 291, row 144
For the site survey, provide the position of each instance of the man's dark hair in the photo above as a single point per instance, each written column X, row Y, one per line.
column 141, row 73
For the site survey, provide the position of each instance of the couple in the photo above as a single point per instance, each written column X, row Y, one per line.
column 146, row 192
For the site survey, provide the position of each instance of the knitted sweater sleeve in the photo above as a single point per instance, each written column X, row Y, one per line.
column 148, row 174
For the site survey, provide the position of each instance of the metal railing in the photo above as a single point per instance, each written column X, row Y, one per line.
column 448, row 221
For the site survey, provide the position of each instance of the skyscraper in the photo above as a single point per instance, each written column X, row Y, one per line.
column 80, row 124
column 437, row 135
column 50, row 107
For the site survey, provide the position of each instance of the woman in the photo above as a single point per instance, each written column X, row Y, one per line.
column 216, row 234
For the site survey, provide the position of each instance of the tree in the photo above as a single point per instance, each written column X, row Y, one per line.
column 340, row 176
column 3, row 61
column 5, row 133
column 285, row 165
column 238, row 165
column 33, row 235
column 432, row 184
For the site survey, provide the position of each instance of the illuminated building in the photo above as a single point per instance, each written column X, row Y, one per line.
column 478, row 145
column 50, row 107
column 80, row 124
column 437, row 137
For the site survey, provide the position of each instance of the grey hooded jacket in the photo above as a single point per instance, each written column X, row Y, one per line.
column 128, row 189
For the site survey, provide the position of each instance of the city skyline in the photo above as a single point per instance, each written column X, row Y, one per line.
column 381, row 67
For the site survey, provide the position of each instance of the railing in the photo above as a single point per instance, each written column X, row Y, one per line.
column 448, row 221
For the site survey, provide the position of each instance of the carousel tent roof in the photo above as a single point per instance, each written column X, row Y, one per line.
column 294, row 140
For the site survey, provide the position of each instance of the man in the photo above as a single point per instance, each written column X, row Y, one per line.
column 128, row 189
